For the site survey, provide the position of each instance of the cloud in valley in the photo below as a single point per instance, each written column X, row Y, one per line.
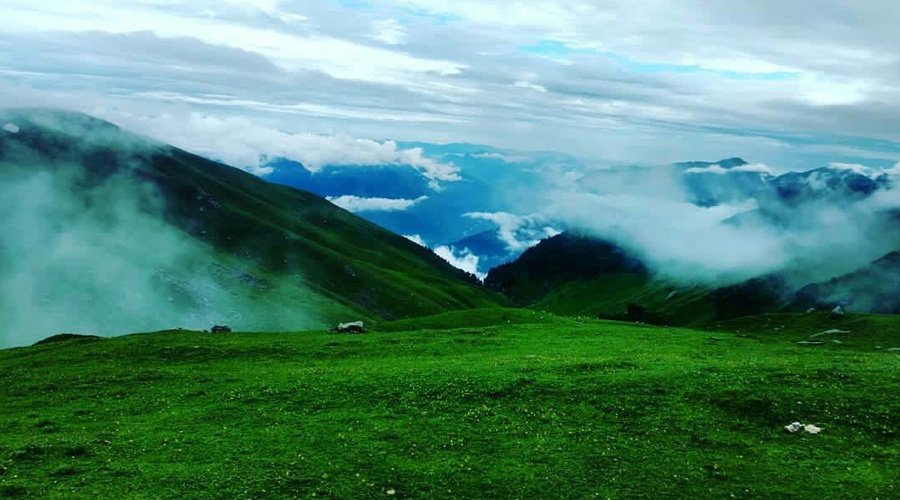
column 460, row 258
column 359, row 204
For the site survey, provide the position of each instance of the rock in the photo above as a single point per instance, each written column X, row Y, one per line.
column 811, row 310
column 833, row 331
column 811, row 342
column 794, row 427
column 894, row 349
column 221, row 329
column 636, row 313
column 838, row 312
column 353, row 327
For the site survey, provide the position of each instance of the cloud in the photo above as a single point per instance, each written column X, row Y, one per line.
column 530, row 86
column 98, row 257
column 517, row 232
column 246, row 144
column 851, row 167
column 389, row 31
column 358, row 204
column 417, row 239
column 460, row 259
column 678, row 239
column 598, row 80
column 338, row 57
column 811, row 239
column 759, row 168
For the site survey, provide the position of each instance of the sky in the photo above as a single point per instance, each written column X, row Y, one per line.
column 656, row 81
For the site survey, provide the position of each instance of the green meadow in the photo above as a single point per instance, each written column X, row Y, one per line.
column 485, row 403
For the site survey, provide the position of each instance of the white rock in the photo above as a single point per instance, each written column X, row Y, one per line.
column 834, row 331
column 812, row 429
column 12, row 128
column 794, row 427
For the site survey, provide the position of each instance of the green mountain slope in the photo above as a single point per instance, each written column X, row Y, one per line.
column 874, row 288
column 577, row 275
column 221, row 243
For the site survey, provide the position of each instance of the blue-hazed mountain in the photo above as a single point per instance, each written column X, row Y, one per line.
column 444, row 215
column 733, row 180
column 838, row 185
column 367, row 182
column 494, row 181
column 728, row 181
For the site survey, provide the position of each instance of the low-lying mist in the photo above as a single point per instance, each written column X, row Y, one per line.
column 82, row 253
column 649, row 211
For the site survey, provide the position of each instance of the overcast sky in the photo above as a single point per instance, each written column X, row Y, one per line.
column 647, row 81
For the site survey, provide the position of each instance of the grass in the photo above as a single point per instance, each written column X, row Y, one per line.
column 610, row 295
column 490, row 403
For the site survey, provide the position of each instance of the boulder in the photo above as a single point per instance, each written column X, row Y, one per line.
column 353, row 327
column 221, row 329
column 636, row 313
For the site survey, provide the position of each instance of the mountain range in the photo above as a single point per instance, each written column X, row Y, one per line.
column 490, row 214
column 115, row 232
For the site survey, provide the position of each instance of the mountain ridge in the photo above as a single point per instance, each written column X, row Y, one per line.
column 271, row 239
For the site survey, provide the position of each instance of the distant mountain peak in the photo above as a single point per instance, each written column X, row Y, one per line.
column 727, row 163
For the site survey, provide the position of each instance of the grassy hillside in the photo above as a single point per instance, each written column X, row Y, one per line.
column 609, row 297
column 534, row 406
column 271, row 243
column 571, row 274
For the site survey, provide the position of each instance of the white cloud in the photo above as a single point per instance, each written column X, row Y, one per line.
column 679, row 239
column 460, row 259
column 517, row 232
column 389, row 31
column 417, row 239
column 638, row 85
column 522, row 84
column 851, row 167
column 245, row 144
column 359, row 204
column 759, row 168
column 334, row 56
